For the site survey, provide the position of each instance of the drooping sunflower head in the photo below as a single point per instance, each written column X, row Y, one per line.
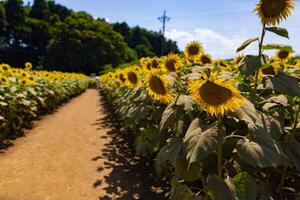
column 157, row 86
column 216, row 96
column 206, row 59
column 4, row 80
column 283, row 55
column 193, row 50
column 172, row 63
column 272, row 12
column 272, row 69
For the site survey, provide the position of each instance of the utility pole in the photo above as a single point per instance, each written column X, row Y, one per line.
column 163, row 19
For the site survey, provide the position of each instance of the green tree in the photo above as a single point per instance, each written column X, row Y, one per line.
column 82, row 44
column 40, row 10
column 15, row 16
column 3, row 26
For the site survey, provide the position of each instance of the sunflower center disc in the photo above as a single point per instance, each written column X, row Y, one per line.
column 157, row 86
column 122, row 78
column 205, row 59
column 283, row 54
column 269, row 70
column 272, row 8
column 154, row 64
column 170, row 65
column 132, row 77
column 193, row 50
column 213, row 94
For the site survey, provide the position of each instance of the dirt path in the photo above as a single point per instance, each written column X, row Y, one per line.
column 75, row 154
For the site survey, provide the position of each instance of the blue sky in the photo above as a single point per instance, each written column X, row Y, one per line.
column 221, row 25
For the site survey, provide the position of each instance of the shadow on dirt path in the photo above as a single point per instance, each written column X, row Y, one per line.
column 131, row 176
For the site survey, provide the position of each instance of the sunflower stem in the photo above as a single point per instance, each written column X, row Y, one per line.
column 260, row 45
column 296, row 120
column 220, row 146
column 282, row 181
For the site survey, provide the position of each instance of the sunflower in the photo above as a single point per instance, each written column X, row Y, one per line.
column 4, row 80
column 205, row 59
column 154, row 63
column 216, row 96
column 237, row 59
column 157, row 86
column 283, row 55
column 272, row 69
column 272, row 12
column 172, row 63
column 28, row 66
column 31, row 78
column 5, row 69
column 193, row 50
column 132, row 78
column 24, row 82
column 122, row 79
column 223, row 64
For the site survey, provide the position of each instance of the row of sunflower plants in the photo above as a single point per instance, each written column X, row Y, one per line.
column 26, row 94
column 217, row 129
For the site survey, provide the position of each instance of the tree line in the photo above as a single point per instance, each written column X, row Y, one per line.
column 54, row 37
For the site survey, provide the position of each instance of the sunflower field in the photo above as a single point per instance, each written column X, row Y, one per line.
column 217, row 129
column 26, row 94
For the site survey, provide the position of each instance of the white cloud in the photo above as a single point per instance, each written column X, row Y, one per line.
column 219, row 46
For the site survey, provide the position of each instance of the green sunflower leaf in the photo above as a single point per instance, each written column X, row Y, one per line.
column 250, row 64
column 201, row 144
column 246, row 43
column 279, row 31
column 218, row 188
column 180, row 191
column 284, row 84
column 261, row 151
column 274, row 46
column 247, row 185
column 291, row 147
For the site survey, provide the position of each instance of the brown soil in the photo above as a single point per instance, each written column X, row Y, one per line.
column 76, row 154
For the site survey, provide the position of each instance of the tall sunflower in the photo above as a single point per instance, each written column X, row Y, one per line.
column 216, row 96
column 193, row 50
column 283, row 55
column 272, row 12
column 157, row 86
column 172, row 63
